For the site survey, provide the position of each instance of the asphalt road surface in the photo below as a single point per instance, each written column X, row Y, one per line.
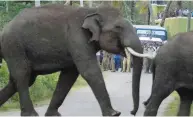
column 83, row 103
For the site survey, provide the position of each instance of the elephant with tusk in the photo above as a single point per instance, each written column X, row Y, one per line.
column 133, row 52
column 51, row 38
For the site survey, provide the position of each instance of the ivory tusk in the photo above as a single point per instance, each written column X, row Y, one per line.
column 130, row 50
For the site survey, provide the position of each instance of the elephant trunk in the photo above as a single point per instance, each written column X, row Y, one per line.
column 136, row 75
column 133, row 45
column 137, row 68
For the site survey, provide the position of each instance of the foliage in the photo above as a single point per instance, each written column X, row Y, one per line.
column 142, row 6
column 173, row 106
column 138, row 17
column 126, row 10
column 4, row 73
column 14, row 9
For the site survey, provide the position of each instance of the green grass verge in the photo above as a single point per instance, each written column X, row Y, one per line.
column 172, row 108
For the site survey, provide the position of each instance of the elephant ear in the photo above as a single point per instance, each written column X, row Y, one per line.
column 93, row 23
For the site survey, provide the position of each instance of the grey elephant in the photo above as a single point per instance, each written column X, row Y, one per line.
column 51, row 38
column 173, row 71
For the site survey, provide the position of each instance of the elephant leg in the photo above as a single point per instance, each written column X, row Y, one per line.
column 147, row 101
column 65, row 82
column 21, row 74
column 186, row 98
column 91, row 72
column 158, row 96
column 9, row 90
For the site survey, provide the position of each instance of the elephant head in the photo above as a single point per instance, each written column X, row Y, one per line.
column 117, row 35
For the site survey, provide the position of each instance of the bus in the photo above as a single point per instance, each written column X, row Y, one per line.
column 151, row 36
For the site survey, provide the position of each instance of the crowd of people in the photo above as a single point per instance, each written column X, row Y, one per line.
column 113, row 62
column 175, row 13
column 116, row 62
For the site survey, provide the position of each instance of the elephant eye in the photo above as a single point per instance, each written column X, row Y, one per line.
column 118, row 28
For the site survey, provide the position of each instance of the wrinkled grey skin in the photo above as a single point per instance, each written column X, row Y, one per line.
column 53, row 38
column 173, row 70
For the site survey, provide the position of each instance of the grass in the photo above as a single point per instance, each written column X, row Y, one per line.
column 172, row 108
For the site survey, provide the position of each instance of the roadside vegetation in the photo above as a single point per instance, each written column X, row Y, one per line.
column 172, row 108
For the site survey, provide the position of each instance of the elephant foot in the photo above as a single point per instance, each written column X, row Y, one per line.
column 133, row 112
column 52, row 113
column 116, row 113
column 145, row 103
column 112, row 113
column 33, row 113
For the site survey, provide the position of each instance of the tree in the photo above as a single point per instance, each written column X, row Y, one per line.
column 132, row 10
column 149, row 16
column 189, row 17
column 152, row 19
column 146, row 7
column 165, row 13
column 7, row 6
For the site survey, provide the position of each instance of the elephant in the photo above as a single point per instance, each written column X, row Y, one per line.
column 54, row 37
column 173, row 71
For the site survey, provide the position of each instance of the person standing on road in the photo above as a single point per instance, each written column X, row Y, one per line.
column 112, row 63
column 126, row 63
column 105, row 61
column 117, row 59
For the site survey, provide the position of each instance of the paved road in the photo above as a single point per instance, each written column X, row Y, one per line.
column 83, row 102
